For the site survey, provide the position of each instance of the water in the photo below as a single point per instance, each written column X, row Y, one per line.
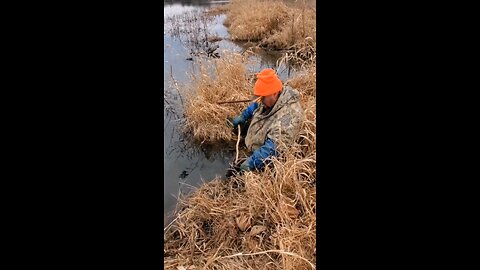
column 187, row 165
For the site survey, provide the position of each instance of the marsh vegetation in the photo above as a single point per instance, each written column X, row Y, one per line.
column 257, row 220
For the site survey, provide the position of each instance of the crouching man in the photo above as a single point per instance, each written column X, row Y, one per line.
column 273, row 123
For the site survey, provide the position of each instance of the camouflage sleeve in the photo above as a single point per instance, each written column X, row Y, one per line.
column 284, row 130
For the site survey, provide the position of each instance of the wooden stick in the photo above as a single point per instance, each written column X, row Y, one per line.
column 238, row 142
column 258, row 99
column 234, row 101
column 238, row 101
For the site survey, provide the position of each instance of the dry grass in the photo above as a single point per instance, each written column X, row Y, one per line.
column 306, row 83
column 298, row 33
column 258, row 221
column 217, row 10
column 274, row 25
column 255, row 20
column 205, row 119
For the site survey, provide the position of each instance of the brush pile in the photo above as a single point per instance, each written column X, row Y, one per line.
column 205, row 120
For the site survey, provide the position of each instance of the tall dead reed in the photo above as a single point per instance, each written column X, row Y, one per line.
column 223, row 79
column 296, row 31
column 274, row 25
column 306, row 83
column 255, row 20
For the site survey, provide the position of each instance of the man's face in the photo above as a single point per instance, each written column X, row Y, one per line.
column 270, row 100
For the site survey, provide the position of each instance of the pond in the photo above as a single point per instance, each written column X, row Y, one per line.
column 187, row 165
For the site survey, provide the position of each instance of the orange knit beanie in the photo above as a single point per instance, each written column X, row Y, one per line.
column 268, row 83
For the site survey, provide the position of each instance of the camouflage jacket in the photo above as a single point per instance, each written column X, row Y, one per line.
column 281, row 125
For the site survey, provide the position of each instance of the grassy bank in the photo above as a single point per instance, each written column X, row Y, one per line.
column 272, row 24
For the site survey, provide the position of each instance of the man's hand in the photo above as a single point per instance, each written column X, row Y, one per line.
column 237, row 168
column 238, row 121
column 244, row 166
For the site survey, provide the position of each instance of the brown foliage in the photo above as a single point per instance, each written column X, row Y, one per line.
column 274, row 25
column 205, row 119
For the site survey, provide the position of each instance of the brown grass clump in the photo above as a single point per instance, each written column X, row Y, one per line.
column 274, row 25
column 255, row 20
column 217, row 10
column 205, row 119
column 306, row 83
column 296, row 33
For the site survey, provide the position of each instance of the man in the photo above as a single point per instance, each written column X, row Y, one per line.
column 272, row 124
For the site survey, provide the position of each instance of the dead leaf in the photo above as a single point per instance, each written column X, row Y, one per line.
column 181, row 268
column 243, row 222
column 257, row 229
column 290, row 210
column 251, row 244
